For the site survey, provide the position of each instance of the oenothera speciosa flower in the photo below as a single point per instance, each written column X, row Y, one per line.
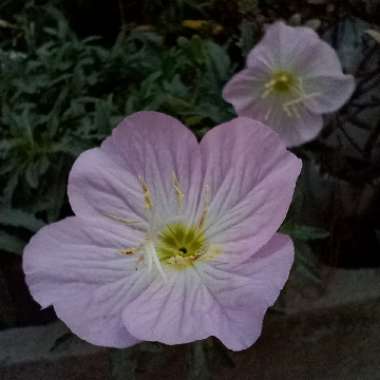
column 292, row 77
column 172, row 240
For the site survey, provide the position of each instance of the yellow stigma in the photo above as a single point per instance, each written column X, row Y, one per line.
column 180, row 246
column 285, row 83
column 280, row 82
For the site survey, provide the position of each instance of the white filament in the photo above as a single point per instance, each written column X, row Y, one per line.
column 151, row 255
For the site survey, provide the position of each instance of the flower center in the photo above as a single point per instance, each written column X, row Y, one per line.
column 177, row 245
column 280, row 82
column 292, row 92
column 180, row 245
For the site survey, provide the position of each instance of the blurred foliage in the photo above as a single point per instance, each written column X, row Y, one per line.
column 61, row 95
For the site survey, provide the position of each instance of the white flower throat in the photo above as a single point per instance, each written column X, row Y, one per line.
column 178, row 244
column 288, row 86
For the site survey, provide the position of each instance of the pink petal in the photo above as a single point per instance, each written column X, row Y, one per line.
column 294, row 130
column 243, row 89
column 75, row 265
column 333, row 92
column 281, row 46
column 178, row 311
column 226, row 302
column 245, row 291
column 251, row 179
column 317, row 59
column 100, row 187
column 155, row 146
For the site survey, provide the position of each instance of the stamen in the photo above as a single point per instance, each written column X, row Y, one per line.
column 151, row 254
column 203, row 216
column 128, row 251
column 291, row 106
column 122, row 220
column 287, row 83
column 148, row 202
column 266, row 117
column 179, row 193
column 269, row 87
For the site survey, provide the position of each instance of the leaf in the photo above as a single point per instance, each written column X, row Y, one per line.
column 219, row 58
column 61, row 340
column 11, row 243
column 304, row 232
column 31, row 175
column 375, row 34
column 197, row 362
column 306, row 263
column 123, row 364
column 19, row 218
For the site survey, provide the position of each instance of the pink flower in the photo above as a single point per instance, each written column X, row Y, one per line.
column 173, row 241
column 292, row 77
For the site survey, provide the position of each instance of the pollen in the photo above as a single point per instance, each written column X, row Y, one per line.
column 290, row 87
column 180, row 245
column 178, row 190
column 128, row 251
column 203, row 217
column 148, row 201
column 279, row 82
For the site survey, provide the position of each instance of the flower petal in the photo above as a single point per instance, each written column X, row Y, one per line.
column 178, row 311
column 100, row 187
column 245, row 292
column 225, row 302
column 155, row 147
column 281, row 46
column 243, row 89
column 76, row 266
column 251, row 177
column 317, row 59
column 333, row 92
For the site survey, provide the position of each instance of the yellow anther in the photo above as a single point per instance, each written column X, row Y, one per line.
column 121, row 220
column 211, row 252
column 284, row 78
column 180, row 260
column 179, row 193
column 148, row 201
column 128, row 251
column 291, row 86
column 204, row 213
column 280, row 82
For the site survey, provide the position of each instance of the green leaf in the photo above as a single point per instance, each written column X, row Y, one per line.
column 19, row 218
column 197, row 362
column 304, row 232
column 11, row 243
column 123, row 364
column 219, row 58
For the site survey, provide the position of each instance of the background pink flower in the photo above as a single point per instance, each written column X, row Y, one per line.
column 292, row 77
column 173, row 241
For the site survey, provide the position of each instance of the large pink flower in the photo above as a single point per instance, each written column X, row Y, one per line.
column 173, row 241
column 292, row 77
